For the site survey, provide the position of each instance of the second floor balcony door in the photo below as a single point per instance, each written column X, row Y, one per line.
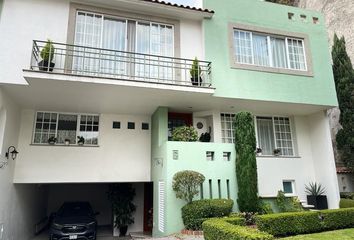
column 112, row 46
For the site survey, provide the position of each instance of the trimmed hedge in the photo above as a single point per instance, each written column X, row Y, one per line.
column 229, row 229
column 194, row 213
column 347, row 195
column 284, row 224
column 346, row 203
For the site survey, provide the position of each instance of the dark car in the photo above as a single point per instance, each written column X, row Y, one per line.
column 74, row 220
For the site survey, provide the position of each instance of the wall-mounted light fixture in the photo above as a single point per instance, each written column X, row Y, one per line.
column 11, row 152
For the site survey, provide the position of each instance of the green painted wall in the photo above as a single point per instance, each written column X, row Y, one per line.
column 246, row 84
column 191, row 156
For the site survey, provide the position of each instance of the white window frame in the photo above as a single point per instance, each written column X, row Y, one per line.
column 56, row 128
column 223, row 138
column 293, row 186
column 275, row 138
column 270, row 55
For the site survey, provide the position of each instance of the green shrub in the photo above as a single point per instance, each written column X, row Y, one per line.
column 186, row 184
column 185, row 134
column 226, row 229
column 246, row 163
column 265, row 208
column 284, row 224
column 288, row 204
column 47, row 53
column 194, row 213
column 346, row 203
column 347, row 195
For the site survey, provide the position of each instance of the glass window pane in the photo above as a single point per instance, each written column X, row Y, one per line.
column 67, row 124
column 260, row 50
column 288, row 187
column 265, row 135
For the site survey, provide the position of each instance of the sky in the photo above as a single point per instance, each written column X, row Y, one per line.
column 185, row 2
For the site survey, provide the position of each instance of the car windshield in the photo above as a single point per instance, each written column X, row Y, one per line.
column 75, row 209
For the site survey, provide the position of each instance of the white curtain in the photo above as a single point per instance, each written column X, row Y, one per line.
column 243, row 46
column 279, row 53
column 114, row 32
column 265, row 135
column 142, row 46
column 88, row 34
column 260, row 50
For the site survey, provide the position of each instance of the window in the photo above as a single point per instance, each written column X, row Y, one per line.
column 131, row 125
column 274, row 133
column 268, row 50
column 120, row 34
column 227, row 156
column 145, row 126
column 116, row 125
column 209, row 156
column 289, row 187
column 227, row 128
column 65, row 126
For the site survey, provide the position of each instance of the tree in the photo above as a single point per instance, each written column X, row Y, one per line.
column 344, row 81
column 246, row 164
column 186, row 184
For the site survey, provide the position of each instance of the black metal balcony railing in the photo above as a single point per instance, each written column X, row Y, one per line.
column 99, row 62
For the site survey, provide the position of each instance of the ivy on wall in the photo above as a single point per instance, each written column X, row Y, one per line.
column 246, row 164
column 344, row 81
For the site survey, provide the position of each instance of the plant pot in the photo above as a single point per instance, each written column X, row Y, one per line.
column 46, row 66
column 80, row 143
column 51, row 142
column 123, row 231
column 67, row 142
column 196, row 82
column 320, row 202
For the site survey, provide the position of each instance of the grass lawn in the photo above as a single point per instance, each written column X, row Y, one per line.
column 345, row 234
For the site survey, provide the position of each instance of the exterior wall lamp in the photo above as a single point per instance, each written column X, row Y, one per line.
column 12, row 153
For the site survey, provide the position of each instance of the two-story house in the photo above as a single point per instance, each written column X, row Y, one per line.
column 120, row 78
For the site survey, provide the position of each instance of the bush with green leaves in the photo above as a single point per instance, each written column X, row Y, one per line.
column 265, row 208
column 196, row 212
column 121, row 196
column 246, row 164
column 47, row 53
column 347, row 195
column 186, row 184
column 314, row 189
column 288, row 204
column 185, row 134
column 285, row 224
column 195, row 71
column 346, row 203
column 228, row 229
column 344, row 81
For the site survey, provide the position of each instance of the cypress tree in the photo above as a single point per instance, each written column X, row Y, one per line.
column 246, row 164
column 344, row 81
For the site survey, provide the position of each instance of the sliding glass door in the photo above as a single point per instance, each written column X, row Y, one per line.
column 113, row 46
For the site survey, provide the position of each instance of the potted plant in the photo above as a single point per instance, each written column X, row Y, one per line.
column 277, row 152
column 80, row 140
column 121, row 196
column 316, row 195
column 47, row 55
column 185, row 134
column 259, row 151
column 205, row 137
column 67, row 141
column 52, row 140
column 195, row 72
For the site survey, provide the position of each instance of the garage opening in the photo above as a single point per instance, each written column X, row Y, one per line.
column 96, row 195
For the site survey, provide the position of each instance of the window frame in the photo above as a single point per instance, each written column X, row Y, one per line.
column 293, row 187
column 292, row 132
column 233, row 115
column 56, row 128
column 270, row 33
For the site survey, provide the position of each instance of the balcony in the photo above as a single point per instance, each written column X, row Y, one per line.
column 110, row 64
